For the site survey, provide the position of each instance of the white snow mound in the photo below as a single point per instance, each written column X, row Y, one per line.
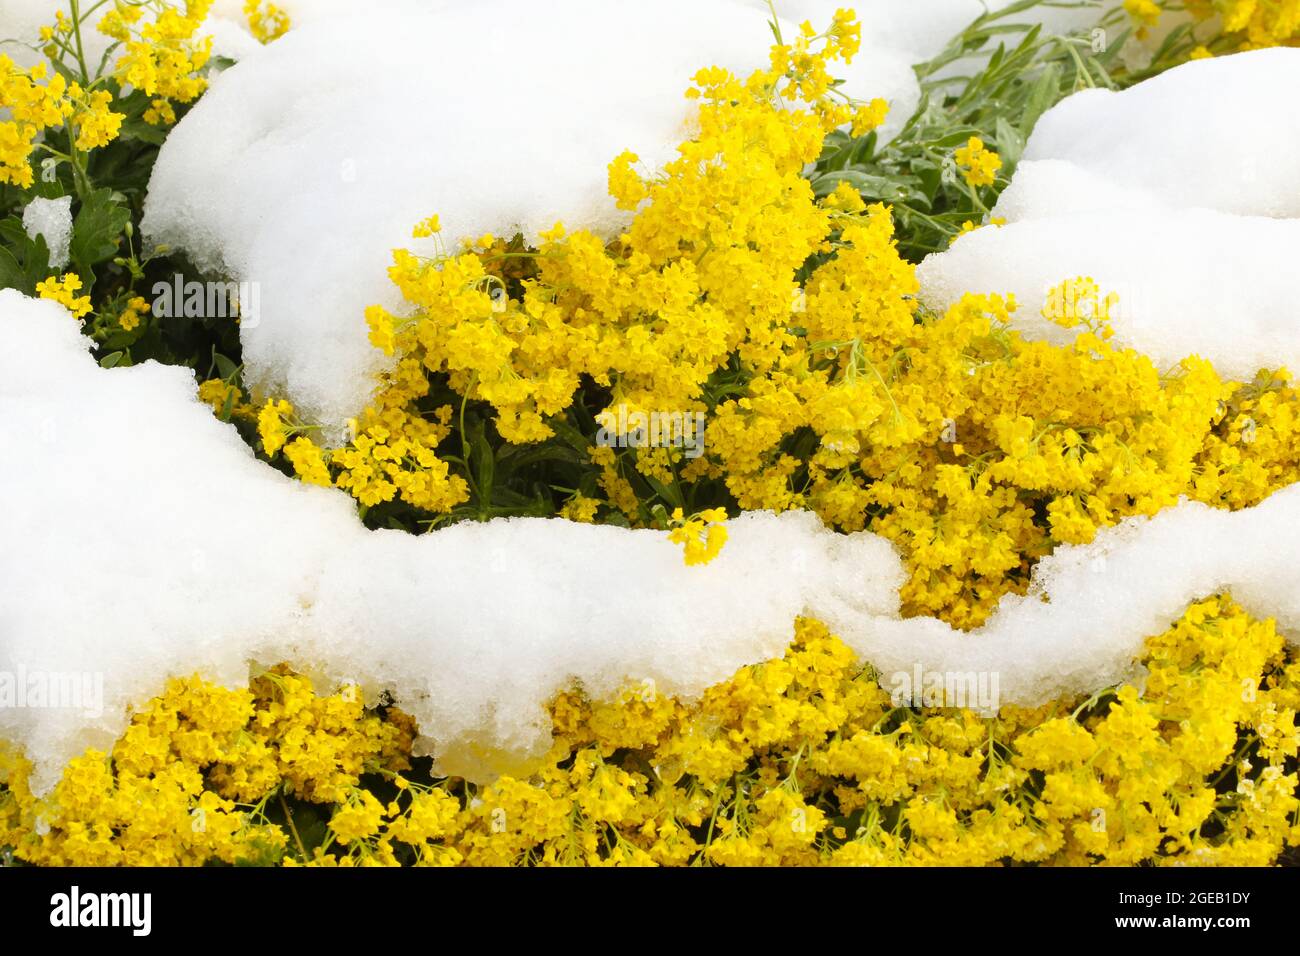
column 1091, row 606
column 1220, row 133
column 1190, row 282
column 1182, row 194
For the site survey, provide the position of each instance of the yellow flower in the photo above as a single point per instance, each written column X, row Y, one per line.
column 64, row 291
column 361, row 817
column 426, row 228
column 580, row 508
column 978, row 164
column 1145, row 12
column 272, row 427
column 30, row 107
column 163, row 57
column 308, row 461
column 136, row 309
column 266, row 20
column 702, row 535
column 869, row 116
column 625, row 185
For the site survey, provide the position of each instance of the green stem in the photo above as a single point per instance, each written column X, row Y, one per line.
column 288, row 816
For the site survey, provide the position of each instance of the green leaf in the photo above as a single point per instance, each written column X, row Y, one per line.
column 36, row 266
column 670, row 493
column 931, row 178
column 11, row 273
column 28, row 254
column 571, row 436
column 953, row 138
column 890, row 189
column 1010, row 143
column 1041, row 95
column 514, row 457
column 486, row 464
column 226, row 369
column 96, row 231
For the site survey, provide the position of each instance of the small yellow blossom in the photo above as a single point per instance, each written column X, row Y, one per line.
column 978, row 164
column 702, row 535
column 64, row 291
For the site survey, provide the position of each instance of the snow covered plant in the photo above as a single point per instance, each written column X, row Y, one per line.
column 82, row 125
column 803, row 760
column 816, row 275
column 791, row 323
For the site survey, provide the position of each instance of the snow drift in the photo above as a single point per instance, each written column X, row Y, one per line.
column 142, row 540
column 1182, row 194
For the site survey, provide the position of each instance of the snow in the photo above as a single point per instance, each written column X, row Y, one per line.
column 307, row 12
column 1092, row 606
column 1181, row 194
column 304, row 166
column 1217, row 134
column 51, row 219
column 218, row 561
column 213, row 560
column 1190, row 282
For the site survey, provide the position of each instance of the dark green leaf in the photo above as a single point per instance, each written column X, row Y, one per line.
column 97, row 230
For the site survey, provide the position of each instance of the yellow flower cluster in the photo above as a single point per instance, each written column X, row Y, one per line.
column 706, row 272
column 701, row 535
column 1255, row 448
column 162, row 55
column 33, row 106
column 30, row 108
column 696, row 277
column 869, row 116
column 191, row 779
column 803, row 760
column 391, row 456
column 133, row 313
column 979, row 165
column 977, row 452
column 63, row 290
column 226, row 399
